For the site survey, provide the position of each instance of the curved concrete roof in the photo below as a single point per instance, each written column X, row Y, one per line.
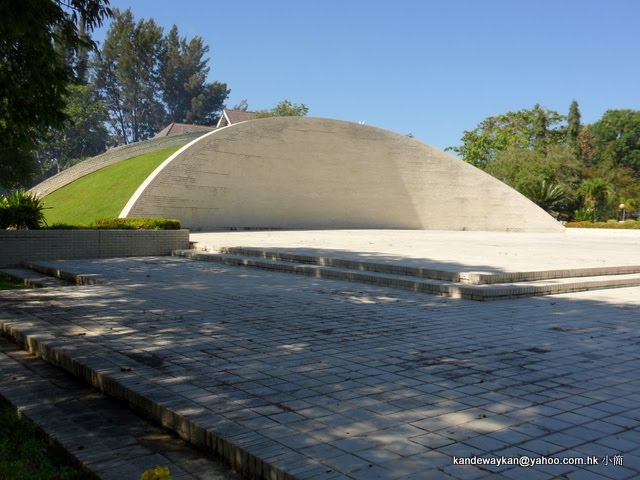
column 312, row 173
column 110, row 157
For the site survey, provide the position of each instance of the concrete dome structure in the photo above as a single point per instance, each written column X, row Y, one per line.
column 312, row 173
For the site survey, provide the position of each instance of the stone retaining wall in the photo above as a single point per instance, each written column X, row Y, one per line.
column 26, row 245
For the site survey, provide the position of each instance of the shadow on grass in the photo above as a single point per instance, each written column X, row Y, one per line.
column 25, row 452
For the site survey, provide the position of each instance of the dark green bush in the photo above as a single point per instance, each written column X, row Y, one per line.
column 138, row 223
column 67, row 226
column 4, row 214
column 21, row 210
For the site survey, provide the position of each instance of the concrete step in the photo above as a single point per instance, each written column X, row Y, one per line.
column 552, row 286
column 467, row 291
column 54, row 271
column 32, row 279
column 102, row 435
column 391, row 268
column 395, row 268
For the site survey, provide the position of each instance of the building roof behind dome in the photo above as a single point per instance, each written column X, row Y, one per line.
column 229, row 117
column 181, row 128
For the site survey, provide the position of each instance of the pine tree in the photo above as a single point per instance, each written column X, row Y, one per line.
column 183, row 72
column 127, row 76
column 540, row 128
column 573, row 127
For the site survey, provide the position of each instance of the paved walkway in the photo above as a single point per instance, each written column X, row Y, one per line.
column 322, row 379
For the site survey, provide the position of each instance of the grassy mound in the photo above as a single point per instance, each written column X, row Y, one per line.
column 103, row 193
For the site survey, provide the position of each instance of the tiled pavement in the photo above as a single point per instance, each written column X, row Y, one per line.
column 322, row 379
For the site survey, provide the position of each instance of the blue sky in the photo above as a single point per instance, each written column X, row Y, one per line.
column 430, row 68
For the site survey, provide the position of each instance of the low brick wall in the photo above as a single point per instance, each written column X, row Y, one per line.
column 20, row 245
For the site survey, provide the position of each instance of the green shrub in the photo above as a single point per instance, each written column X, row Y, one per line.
column 4, row 213
column 66, row 226
column 628, row 224
column 137, row 223
column 159, row 473
column 122, row 224
column 583, row 215
column 21, row 211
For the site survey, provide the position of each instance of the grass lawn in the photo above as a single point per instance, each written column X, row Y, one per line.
column 26, row 454
column 6, row 284
column 103, row 193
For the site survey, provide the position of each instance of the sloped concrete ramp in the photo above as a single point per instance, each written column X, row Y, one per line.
column 312, row 173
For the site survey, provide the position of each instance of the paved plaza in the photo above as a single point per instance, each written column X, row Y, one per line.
column 323, row 379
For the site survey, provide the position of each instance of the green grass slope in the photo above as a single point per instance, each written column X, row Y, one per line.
column 25, row 453
column 103, row 193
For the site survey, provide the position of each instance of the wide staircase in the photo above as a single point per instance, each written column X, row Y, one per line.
column 479, row 286
column 465, row 285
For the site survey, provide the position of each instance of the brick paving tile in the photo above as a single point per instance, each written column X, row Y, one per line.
column 316, row 375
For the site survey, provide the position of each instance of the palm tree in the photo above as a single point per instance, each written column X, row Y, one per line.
column 546, row 195
column 629, row 206
column 597, row 194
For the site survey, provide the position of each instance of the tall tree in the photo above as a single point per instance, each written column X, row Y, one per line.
column 592, row 165
column 242, row 106
column 127, row 76
column 83, row 134
column 183, row 73
column 587, row 144
column 34, row 76
column 573, row 127
column 540, row 134
column 535, row 129
column 517, row 167
column 597, row 194
column 618, row 139
column 285, row 108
